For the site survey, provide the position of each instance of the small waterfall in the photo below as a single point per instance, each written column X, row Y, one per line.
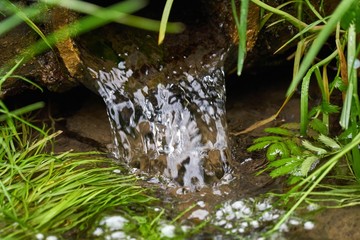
column 176, row 127
column 166, row 107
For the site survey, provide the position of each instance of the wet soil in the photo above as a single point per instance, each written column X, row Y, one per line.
column 81, row 115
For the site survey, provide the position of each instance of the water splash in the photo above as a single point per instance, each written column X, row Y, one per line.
column 171, row 122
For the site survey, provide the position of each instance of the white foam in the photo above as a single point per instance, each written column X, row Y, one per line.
column 168, row 231
column 114, row 222
column 200, row 214
column 309, row 225
column 98, row 231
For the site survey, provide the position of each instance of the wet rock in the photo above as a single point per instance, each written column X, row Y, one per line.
column 90, row 122
column 62, row 67
column 48, row 70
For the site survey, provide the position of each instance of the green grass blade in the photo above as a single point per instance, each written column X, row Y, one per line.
column 22, row 15
column 242, row 35
column 316, row 13
column 11, row 22
column 241, row 25
column 28, row 81
column 293, row 20
column 328, row 29
column 315, row 178
column 22, row 110
column 164, row 20
column 266, row 17
column 10, row 72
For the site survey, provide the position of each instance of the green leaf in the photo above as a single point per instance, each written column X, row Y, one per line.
column 293, row 179
column 352, row 16
column 291, row 126
column 293, row 147
column 338, row 83
column 285, row 169
column 317, row 150
column 279, row 131
column 308, row 164
column 346, row 135
column 328, row 108
column 164, row 20
column 283, row 161
column 318, row 126
column 269, row 139
column 277, row 150
column 259, row 146
column 329, row 142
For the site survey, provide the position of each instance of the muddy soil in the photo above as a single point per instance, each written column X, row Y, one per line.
column 81, row 115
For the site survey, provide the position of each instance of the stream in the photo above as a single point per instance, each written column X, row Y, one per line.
column 169, row 115
column 233, row 203
column 176, row 129
column 236, row 207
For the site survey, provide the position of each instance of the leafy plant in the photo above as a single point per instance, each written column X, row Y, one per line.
column 290, row 154
column 306, row 152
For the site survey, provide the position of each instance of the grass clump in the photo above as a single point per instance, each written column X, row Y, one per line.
column 310, row 153
column 44, row 192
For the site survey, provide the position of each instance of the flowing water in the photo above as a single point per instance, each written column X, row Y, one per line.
column 175, row 127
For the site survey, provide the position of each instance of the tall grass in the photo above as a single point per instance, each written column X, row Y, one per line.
column 44, row 192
